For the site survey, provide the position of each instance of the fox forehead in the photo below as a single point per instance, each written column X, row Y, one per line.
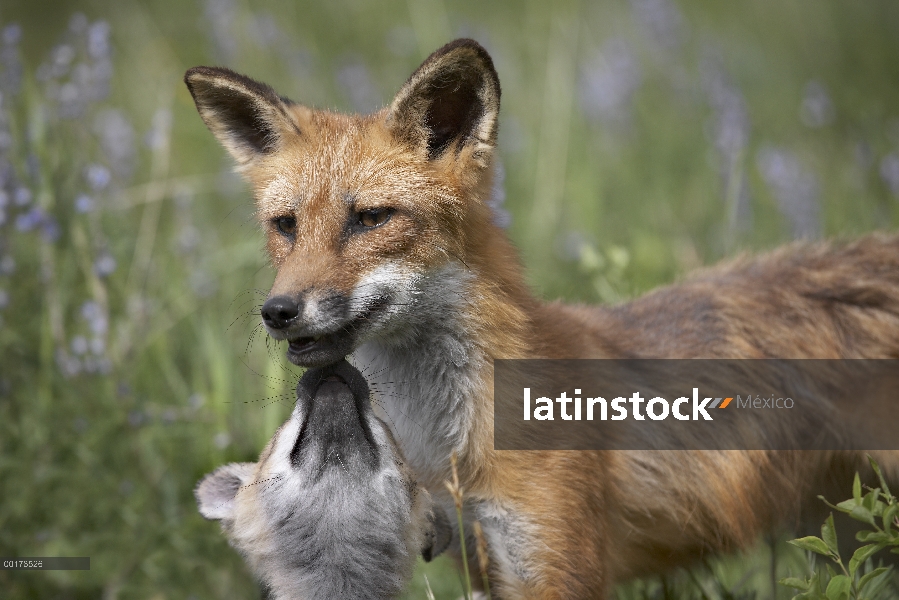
column 336, row 160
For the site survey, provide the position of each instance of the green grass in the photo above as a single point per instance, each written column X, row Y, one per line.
column 606, row 203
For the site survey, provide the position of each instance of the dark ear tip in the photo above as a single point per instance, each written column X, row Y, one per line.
column 464, row 51
column 214, row 77
column 190, row 75
column 199, row 75
column 461, row 45
column 191, row 72
column 195, row 73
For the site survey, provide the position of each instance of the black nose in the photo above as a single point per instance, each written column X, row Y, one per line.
column 279, row 311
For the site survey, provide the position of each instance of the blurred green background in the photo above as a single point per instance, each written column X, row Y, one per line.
column 639, row 140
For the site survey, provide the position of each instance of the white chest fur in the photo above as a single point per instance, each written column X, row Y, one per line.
column 424, row 370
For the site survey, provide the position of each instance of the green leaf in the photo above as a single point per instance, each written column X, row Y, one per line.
column 870, row 499
column 795, row 582
column 883, row 482
column 869, row 578
column 857, row 488
column 863, row 554
column 872, row 537
column 888, row 515
column 846, row 506
column 863, row 514
column 838, row 588
column 814, row 589
column 829, row 535
column 812, row 544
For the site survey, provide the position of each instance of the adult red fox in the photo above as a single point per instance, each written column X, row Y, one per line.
column 385, row 250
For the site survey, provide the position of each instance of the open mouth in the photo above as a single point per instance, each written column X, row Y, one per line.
column 323, row 349
column 304, row 344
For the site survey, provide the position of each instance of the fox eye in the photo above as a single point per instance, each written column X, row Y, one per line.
column 374, row 217
column 286, row 226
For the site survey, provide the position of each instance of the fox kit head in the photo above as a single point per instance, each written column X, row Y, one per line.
column 361, row 212
column 330, row 510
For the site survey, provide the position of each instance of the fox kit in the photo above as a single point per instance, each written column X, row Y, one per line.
column 330, row 510
column 385, row 250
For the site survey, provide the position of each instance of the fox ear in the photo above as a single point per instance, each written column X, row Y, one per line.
column 247, row 117
column 215, row 493
column 451, row 101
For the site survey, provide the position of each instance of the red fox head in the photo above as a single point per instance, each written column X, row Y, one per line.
column 365, row 215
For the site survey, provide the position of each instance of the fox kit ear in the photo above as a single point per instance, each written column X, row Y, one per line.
column 451, row 101
column 215, row 493
column 247, row 117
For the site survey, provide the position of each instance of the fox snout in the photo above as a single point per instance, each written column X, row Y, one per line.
column 308, row 297
column 307, row 314
column 324, row 318
column 280, row 312
column 338, row 422
column 318, row 325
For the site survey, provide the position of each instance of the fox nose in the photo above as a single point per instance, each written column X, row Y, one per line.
column 278, row 312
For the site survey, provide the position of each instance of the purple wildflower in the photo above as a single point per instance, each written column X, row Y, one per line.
column 729, row 129
column 29, row 220
column 22, row 196
column 158, row 135
column 263, row 29
column 794, row 188
column 116, row 140
column 220, row 16
column 98, row 40
column 661, row 20
column 7, row 265
column 105, row 265
column 84, row 203
column 12, row 34
column 50, row 229
column 609, row 81
column 889, row 172
column 78, row 23
column 11, row 69
column 356, row 82
column 501, row 216
column 97, row 177
column 816, row 109
column 79, row 345
column 96, row 319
